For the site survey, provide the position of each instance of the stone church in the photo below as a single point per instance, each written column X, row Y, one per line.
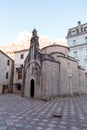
column 51, row 72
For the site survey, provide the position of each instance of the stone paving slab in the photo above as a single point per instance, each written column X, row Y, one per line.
column 20, row 113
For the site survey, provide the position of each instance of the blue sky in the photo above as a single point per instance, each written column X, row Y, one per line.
column 50, row 17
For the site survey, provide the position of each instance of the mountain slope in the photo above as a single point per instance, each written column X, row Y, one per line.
column 23, row 42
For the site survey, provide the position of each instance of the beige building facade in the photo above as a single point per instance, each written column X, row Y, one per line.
column 6, row 73
column 51, row 72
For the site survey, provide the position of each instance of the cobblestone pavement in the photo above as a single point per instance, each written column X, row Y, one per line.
column 19, row 113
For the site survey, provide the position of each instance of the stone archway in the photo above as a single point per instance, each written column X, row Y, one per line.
column 32, row 88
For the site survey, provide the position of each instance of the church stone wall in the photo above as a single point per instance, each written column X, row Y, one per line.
column 27, row 83
column 50, row 79
column 68, row 77
column 71, row 78
column 35, row 75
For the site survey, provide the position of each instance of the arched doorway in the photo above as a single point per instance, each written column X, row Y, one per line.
column 32, row 88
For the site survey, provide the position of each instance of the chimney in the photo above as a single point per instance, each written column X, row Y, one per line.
column 79, row 25
column 79, row 22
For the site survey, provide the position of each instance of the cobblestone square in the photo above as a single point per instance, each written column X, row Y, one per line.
column 20, row 113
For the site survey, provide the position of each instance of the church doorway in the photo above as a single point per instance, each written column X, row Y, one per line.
column 32, row 88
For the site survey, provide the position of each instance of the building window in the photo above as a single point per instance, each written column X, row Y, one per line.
column 85, row 52
column 86, row 75
column 21, row 65
column 81, row 29
column 75, row 54
column 22, row 56
column 19, row 75
column 85, row 39
column 85, row 61
column 85, row 29
column 6, row 75
column 74, row 42
column 8, row 62
column 73, row 32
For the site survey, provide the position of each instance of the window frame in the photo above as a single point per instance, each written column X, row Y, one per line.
column 85, row 39
column 85, row 29
column 19, row 75
column 8, row 62
column 6, row 75
column 75, row 54
column 22, row 56
column 86, row 52
column 85, row 62
column 74, row 42
column 73, row 32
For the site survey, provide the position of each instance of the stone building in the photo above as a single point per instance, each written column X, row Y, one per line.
column 18, row 65
column 51, row 72
column 77, row 42
column 6, row 73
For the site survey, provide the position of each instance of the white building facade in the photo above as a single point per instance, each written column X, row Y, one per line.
column 6, row 73
column 18, row 65
column 77, row 42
